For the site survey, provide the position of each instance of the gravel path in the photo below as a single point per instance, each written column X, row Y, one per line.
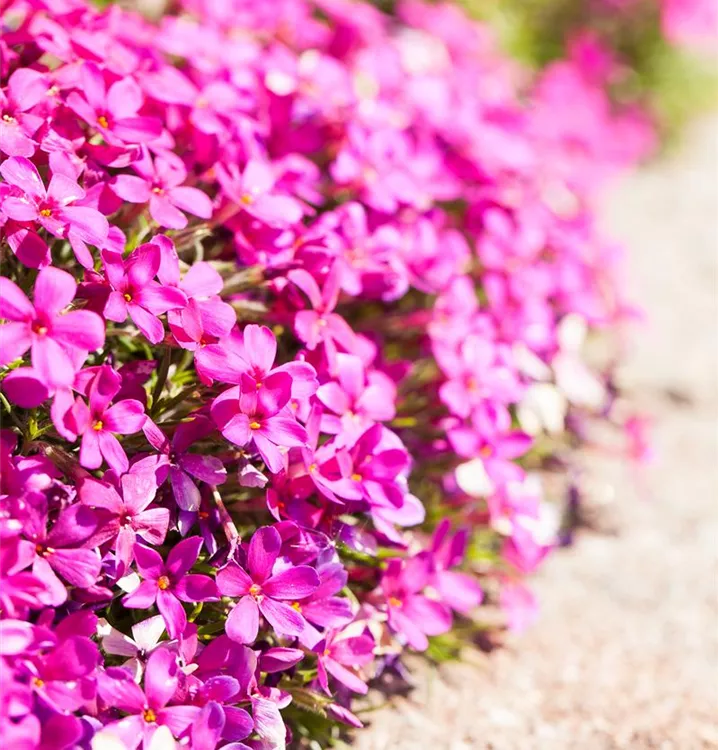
column 625, row 654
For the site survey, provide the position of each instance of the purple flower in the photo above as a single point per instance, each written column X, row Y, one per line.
column 184, row 466
column 147, row 709
column 113, row 112
column 160, row 183
column 250, row 413
column 323, row 607
column 53, row 208
column 134, row 291
column 44, row 328
column 261, row 591
column 169, row 584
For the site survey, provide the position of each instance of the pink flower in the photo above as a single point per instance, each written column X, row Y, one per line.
column 113, row 112
column 25, row 89
column 322, row 324
column 160, row 183
column 339, row 656
column 126, row 512
column 98, row 422
column 134, row 291
column 262, row 591
column 253, row 191
column 411, row 613
column 258, row 414
column 146, row 710
column 53, row 208
column 42, row 326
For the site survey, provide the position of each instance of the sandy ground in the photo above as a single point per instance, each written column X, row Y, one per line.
column 625, row 654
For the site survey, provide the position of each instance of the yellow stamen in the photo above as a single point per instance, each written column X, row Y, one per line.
column 149, row 716
column 394, row 602
column 254, row 425
column 356, row 477
column 297, row 606
column 37, row 682
column 163, row 583
column 102, row 122
column 255, row 590
column 98, row 425
column 45, row 212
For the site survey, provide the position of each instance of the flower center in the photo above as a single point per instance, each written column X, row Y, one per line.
column 486, row 451
column 255, row 590
column 297, row 606
column 254, row 425
column 163, row 583
column 103, row 122
column 99, row 425
column 39, row 328
column 247, row 199
column 149, row 715
column 157, row 190
column 46, row 212
column 37, row 682
column 356, row 477
column 394, row 602
column 127, row 296
column 8, row 118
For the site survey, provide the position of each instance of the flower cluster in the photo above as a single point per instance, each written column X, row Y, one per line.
column 291, row 315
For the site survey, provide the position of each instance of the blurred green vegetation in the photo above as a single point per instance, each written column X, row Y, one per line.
column 673, row 82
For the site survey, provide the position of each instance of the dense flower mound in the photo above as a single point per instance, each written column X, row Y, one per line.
column 292, row 310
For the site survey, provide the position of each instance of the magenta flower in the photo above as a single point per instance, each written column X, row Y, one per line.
column 97, row 421
column 261, row 591
column 21, row 589
column 62, row 550
column 62, row 678
column 461, row 591
column 169, row 584
column 323, row 607
column 53, row 208
column 249, row 413
column 25, row 89
column 322, row 324
column 338, row 656
column 357, row 399
column 160, row 183
column 147, row 709
column 113, row 112
column 134, row 291
column 45, row 328
column 125, row 514
column 412, row 614
column 253, row 191
column 252, row 353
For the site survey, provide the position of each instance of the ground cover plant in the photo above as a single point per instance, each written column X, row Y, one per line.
column 294, row 304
